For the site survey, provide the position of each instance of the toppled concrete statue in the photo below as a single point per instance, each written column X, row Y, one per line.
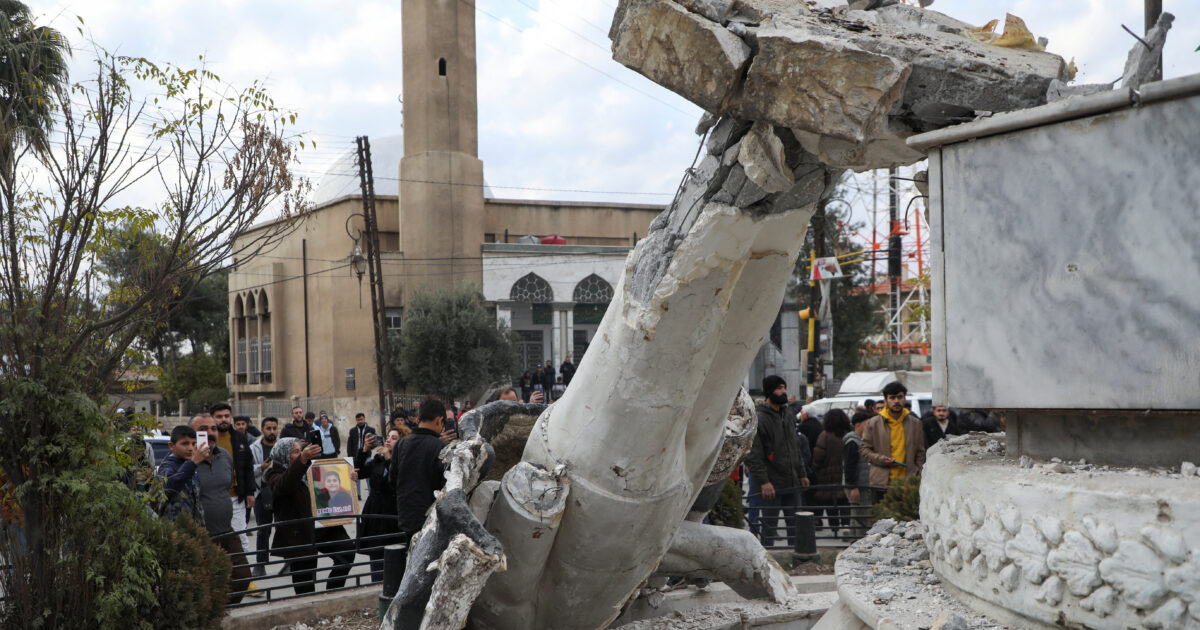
column 797, row 93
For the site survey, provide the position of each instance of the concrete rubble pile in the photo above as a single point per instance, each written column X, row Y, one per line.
column 795, row 93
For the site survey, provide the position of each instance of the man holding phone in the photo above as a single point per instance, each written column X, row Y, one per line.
column 214, row 473
column 893, row 442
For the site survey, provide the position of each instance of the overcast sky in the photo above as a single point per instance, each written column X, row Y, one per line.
column 555, row 112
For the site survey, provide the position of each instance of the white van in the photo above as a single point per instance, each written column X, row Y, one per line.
column 919, row 403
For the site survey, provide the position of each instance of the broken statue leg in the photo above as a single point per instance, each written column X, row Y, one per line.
column 526, row 513
column 733, row 556
column 449, row 561
column 723, row 553
column 637, row 445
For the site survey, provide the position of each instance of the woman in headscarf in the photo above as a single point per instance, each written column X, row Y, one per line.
column 296, row 536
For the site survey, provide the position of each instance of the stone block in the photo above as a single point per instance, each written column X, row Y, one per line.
column 806, row 79
column 715, row 10
column 662, row 40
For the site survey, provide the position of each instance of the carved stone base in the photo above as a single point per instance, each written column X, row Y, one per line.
column 1060, row 543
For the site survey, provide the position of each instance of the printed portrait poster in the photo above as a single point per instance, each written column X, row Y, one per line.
column 332, row 492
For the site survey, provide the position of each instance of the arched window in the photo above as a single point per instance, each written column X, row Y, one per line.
column 239, row 335
column 531, row 288
column 593, row 290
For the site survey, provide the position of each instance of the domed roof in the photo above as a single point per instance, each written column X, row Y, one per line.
column 341, row 179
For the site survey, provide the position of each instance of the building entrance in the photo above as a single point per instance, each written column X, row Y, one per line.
column 529, row 349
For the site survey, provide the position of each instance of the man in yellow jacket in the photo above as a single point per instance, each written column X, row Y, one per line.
column 894, row 441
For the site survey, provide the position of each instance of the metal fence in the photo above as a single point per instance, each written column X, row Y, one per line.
column 292, row 572
column 353, row 562
column 832, row 524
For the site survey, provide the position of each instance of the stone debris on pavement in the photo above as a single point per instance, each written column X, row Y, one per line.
column 979, row 443
column 889, row 571
column 809, row 606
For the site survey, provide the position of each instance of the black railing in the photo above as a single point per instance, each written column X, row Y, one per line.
column 836, row 523
column 372, row 547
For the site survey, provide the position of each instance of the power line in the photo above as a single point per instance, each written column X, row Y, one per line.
column 564, row 27
column 594, row 68
column 571, row 190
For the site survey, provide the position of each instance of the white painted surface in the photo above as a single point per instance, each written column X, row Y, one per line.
column 1069, row 263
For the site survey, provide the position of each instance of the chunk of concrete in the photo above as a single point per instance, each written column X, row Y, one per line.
column 715, row 10
column 761, row 155
column 1145, row 59
column 806, row 79
column 662, row 40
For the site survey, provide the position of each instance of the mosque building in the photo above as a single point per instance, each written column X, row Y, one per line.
column 300, row 314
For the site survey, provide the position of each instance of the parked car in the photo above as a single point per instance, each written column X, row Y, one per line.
column 156, row 449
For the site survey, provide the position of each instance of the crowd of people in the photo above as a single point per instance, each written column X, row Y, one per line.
column 545, row 383
column 827, row 464
column 222, row 467
column 217, row 471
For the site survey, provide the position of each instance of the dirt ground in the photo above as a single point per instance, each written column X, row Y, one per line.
column 811, row 568
column 365, row 619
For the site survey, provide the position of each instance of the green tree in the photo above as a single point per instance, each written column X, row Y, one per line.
column 33, row 77
column 855, row 311
column 198, row 377
column 197, row 313
column 222, row 157
column 450, row 344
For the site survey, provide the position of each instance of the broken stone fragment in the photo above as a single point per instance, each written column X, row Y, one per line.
column 950, row 621
column 1187, row 469
column 813, row 81
column 715, row 10
column 663, row 41
column 762, row 157
column 1059, row 90
column 1146, row 58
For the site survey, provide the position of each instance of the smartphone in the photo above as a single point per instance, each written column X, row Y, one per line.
column 537, row 388
column 313, row 437
column 201, row 438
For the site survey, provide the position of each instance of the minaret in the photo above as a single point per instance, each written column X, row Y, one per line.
column 441, row 176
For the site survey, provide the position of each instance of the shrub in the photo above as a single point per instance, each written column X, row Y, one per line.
column 728, row 510
column 195, row 577
column 902, row 501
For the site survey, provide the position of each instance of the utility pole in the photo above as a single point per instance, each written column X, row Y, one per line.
column 894, row 252
column 383, row 362
column 1153, row 9
column 817, row 227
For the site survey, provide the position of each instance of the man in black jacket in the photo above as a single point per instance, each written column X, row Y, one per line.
column 777, row 466
column 356, row 439
column 416, row 470
column 358, row 434
column 939, row 423
column 297, row 429
column 549, row 376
